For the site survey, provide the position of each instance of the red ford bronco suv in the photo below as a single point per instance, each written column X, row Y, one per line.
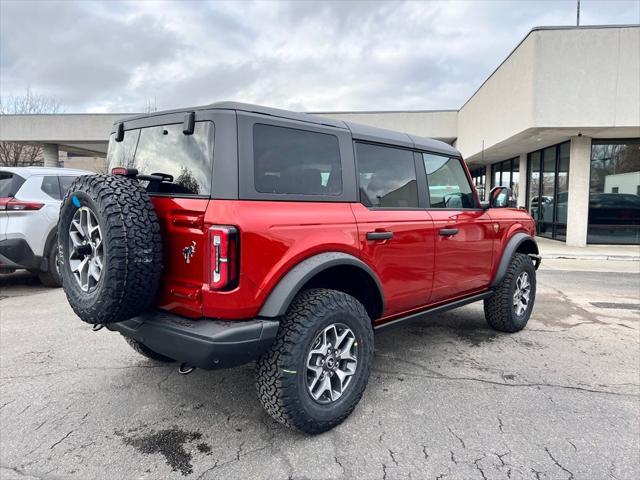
column 233, row 233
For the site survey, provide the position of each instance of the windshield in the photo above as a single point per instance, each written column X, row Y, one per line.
column 167, row 150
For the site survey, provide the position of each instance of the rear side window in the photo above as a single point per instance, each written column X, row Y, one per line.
column 387, row 177
column 9, row 184
column 292, row 161
column 167, row 150
column 51, row 187
column 448, row 184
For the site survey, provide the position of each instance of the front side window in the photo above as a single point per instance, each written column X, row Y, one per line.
column 292, row 161
column 448, row 184
column 167, row 150
column 387, row 177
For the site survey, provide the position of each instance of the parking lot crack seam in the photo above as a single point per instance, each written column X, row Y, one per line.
column 476, row 462
column 559, row 465
column 60, row 441
column 502, row 384
column 22, row 473
column 458, row 437
column 424, row 451
column 201, row 476
column 5, row 404
column 500, row 425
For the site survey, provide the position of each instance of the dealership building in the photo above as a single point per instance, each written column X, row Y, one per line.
column 558, row 121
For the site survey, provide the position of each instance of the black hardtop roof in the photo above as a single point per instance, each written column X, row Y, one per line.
column 358, row 131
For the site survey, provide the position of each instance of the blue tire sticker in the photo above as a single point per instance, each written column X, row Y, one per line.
column 75, row 201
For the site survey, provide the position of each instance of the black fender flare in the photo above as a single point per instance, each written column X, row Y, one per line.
column 510, row 249
column 290, row 284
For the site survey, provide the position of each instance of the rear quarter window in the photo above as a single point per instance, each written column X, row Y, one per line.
column 294, row 161
column 51, row 187
column 10, row 183
column 65, row 183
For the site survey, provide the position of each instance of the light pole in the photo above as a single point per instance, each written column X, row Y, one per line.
column 578, row 14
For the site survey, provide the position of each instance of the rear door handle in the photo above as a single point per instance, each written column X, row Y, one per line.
column 379, row 235
column 448, row 232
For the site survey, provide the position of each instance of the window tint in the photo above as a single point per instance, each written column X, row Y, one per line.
column 166, row 149
column 288, row 160
column 387, row 177
column 51, row 187
column 448, row 184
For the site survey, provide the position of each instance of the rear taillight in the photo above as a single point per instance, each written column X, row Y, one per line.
column 19, row 205
column 127, row 172
column 224, row 257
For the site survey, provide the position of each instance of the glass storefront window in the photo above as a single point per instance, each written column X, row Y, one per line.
column 505, row 174
column 548, row 190
column 614, row 199
column 478, row 175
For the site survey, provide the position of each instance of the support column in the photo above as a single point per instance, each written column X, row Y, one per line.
column 50, row 154
column 578, row 201
column 522, row 181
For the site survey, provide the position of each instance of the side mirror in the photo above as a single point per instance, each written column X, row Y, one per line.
column 499, row 197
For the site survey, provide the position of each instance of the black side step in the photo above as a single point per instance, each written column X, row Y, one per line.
column 431, row 311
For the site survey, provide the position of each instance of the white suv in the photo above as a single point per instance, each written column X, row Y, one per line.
column 29, row 207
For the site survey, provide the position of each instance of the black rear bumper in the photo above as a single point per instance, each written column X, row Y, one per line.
column 16, row 253
column 204, row 343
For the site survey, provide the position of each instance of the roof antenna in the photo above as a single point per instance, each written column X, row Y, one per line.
column 578, row 14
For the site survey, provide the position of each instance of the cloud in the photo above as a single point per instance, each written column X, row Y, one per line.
column 114, row 56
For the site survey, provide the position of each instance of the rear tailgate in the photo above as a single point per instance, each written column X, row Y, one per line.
column 184, row 254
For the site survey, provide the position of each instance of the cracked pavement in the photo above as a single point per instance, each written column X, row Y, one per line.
column 447, row 399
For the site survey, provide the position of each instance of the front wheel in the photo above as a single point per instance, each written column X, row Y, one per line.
column 317, row 368
column 509, row 308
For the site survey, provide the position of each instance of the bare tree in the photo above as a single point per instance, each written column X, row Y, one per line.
column 13, row 154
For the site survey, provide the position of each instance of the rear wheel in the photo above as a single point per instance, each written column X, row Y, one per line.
column 317, row 368
column 52, row 277
column 509, row 308
column 146, row 351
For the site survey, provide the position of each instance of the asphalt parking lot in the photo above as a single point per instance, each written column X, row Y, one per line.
column 448, row 398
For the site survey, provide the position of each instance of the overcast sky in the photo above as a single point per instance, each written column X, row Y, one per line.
column 114, row 57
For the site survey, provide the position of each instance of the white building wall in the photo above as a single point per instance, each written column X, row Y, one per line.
column 503, row 106
column 435, row 124
column 587, row 78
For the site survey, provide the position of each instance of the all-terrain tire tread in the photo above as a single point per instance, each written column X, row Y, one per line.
column 498, row 309
column 270, row 379
column 131, row 234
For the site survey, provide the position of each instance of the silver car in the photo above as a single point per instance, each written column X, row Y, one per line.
column 29, row 205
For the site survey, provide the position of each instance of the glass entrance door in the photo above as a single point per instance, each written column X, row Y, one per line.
column 548, row 190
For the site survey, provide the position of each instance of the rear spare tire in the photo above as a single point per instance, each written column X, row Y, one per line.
column 111, row 257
